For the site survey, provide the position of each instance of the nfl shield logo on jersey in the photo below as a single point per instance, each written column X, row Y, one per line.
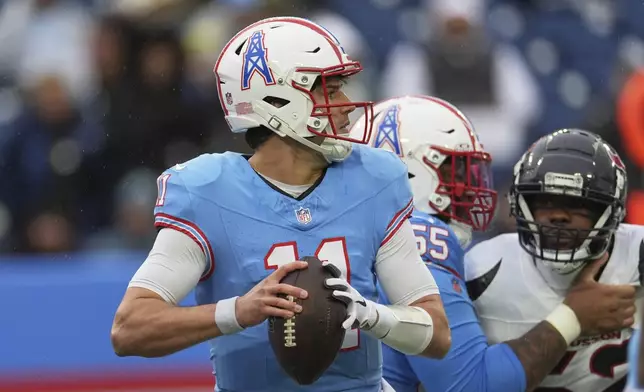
column 456, row 286
column 303, row 215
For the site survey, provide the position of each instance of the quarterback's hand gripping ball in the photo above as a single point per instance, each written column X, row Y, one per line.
column 307, row 344
column 358, row 308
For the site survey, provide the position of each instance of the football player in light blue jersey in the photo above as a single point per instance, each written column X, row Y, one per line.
column 450, row 179
column 451, row 182
column 234, row 226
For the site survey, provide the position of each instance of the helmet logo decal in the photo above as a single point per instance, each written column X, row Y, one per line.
column 387, row 132
column 616, row 159
column 255, row 60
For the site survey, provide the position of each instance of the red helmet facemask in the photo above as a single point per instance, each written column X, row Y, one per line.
column 466, row 178
column 324, row 109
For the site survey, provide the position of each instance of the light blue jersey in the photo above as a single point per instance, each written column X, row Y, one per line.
column 633, row 362
column 470, row 365
column 247, row 228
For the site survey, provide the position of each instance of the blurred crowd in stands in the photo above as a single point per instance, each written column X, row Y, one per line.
column 98, row 97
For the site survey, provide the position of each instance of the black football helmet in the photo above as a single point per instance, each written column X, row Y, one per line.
column 576, row 164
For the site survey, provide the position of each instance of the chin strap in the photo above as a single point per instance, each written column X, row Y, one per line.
column 336, row 150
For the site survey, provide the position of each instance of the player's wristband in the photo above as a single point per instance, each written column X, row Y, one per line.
column 225, row 316
column 565, row 321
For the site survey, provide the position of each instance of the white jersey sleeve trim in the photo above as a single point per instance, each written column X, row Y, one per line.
column 400, row 270
column 173, row 267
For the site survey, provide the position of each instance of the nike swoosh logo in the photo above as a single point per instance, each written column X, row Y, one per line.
column 476, row 287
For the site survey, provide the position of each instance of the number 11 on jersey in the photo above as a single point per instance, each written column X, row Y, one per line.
column 333, row 250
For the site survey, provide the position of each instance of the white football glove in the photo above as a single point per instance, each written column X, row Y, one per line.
column 361, row 313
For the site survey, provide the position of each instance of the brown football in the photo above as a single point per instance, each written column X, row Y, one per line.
column 307, row 344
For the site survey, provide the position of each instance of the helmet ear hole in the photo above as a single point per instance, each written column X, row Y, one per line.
column 276, row 101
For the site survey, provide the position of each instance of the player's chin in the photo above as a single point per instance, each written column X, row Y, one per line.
column 344, row 130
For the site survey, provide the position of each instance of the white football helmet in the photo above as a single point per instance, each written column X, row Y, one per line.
column 448, row 169
column 281, row 58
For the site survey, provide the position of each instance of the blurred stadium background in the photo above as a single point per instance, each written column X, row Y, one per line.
column 97, row 97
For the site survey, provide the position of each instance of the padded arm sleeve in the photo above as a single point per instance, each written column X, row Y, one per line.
column 400, row 270
column 173, row 267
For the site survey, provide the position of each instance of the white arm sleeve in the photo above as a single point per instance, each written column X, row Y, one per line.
column 400, row 270
column 173, row 267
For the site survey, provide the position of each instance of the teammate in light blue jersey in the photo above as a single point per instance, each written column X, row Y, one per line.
column 450, row 178
column 234, row 226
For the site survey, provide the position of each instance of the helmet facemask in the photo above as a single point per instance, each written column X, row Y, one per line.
column 332, row 137
column 465, row 194
column 562, row 245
